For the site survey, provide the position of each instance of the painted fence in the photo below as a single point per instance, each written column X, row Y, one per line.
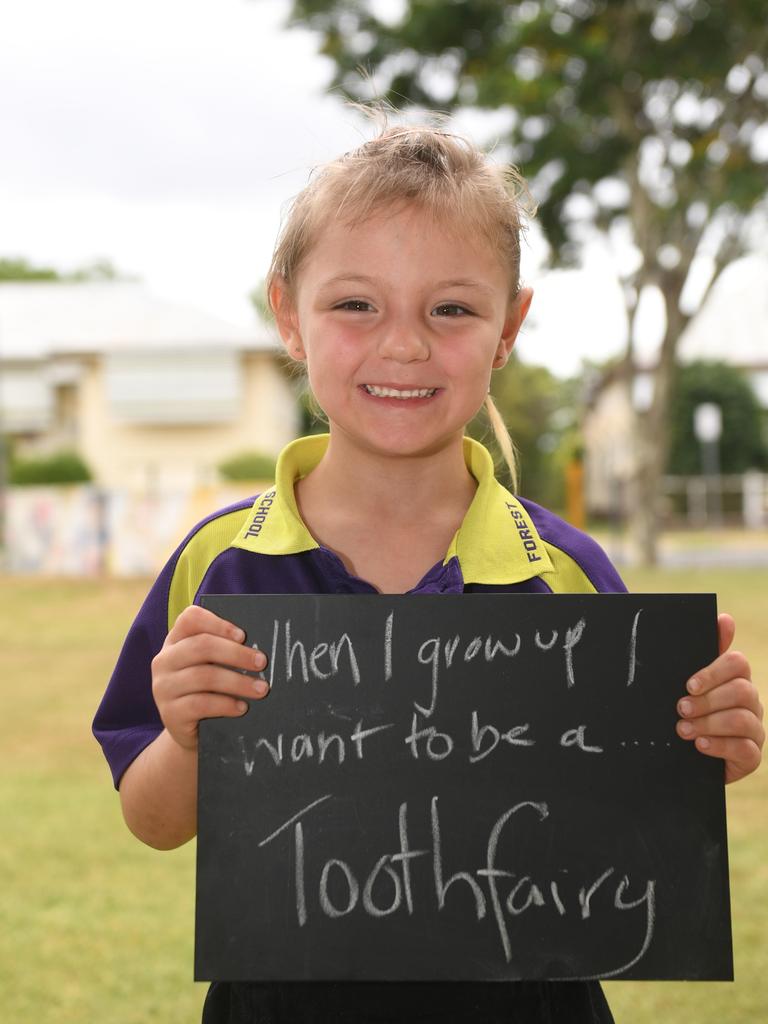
column 85, row 531
column 82, row 530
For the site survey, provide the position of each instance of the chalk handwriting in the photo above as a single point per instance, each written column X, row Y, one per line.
column 293, row 658
column 576, row 738
column 331, row 746
column 514, row 737
column 439, row 655
column 572, row 637
column 545, row 646
column 322, row 661
column 423, row 740
column 494, row 889
column 388, row 630
column 438, row 746
column 633, row 649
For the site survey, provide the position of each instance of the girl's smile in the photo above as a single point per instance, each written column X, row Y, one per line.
column 392, row 393
column 385, row 391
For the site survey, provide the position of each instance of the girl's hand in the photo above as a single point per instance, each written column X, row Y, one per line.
column 722, row 713
column 189, row 680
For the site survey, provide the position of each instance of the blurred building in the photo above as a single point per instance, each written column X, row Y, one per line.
column 731, row 327
column 150, row 393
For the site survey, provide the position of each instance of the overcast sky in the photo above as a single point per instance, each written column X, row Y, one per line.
column 166, row 135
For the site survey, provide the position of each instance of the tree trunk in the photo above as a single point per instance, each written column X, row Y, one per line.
column 651, row 430
column 645, row 490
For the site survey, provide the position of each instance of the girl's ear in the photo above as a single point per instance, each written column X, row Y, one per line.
column 516, row 314
column 286, row 318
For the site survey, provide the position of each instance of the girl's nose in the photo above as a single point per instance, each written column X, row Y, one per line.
column 403, row 341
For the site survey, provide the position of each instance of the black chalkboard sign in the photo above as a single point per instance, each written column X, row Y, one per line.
column 484, row 787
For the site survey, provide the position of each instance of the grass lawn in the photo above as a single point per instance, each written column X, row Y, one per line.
column 96, row 927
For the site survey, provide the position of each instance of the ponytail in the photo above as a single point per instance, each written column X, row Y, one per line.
column 503, row 440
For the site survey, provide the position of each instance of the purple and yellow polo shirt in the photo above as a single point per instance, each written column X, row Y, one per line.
column 504, row 543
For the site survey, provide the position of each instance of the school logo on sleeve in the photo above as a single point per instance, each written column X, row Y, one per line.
column 530, row 543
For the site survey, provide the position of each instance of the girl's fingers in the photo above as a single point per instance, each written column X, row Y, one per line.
column 195, row 706
column 190, row 709
column 741, row 756
column 737, row 693
column 726, row 630
column 195, row 619
column 736, row 723
column 205, row 649
column 730, row 665
column 213, row 679
column 722, row 713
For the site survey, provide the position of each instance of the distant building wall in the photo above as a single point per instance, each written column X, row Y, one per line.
column 607, row 431
column 157, row 455
column 151, row 393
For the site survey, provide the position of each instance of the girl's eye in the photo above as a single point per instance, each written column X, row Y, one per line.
column 355, row 305
column 450, row 309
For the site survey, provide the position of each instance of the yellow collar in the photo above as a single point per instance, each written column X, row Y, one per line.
column 496, row 543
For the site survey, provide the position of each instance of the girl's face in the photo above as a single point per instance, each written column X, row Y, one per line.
column 400, row 321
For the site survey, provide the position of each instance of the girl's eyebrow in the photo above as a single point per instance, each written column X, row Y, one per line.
column 338, row 278
column 459, row 282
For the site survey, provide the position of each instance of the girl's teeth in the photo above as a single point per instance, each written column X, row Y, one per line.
column 378, row 392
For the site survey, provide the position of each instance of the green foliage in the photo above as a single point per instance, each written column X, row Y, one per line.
column 248, row 466
column 741, row 445
column 19, row 269
column 23, row 270
column 64, row 467
column 313, row 419
column 260, row 302
column 589, row 86
column 539, row 410
column 97, row 270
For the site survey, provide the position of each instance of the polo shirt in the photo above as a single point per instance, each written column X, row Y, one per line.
column 504, row 544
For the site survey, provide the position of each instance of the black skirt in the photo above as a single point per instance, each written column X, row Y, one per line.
column 525, row 1002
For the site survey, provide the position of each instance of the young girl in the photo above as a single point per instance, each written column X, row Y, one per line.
column 396, row 281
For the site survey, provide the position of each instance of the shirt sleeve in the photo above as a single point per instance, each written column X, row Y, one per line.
column 580, row 565
column 601, row 571
column 127, row 720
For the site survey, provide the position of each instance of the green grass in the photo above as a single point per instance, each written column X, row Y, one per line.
column 96, row 927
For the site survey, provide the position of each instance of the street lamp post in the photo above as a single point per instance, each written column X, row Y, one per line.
column 708, row 428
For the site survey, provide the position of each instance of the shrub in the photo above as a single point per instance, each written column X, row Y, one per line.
column 64, row 467
column 741, row 445
column 248, row 466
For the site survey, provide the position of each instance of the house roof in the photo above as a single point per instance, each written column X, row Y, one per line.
column 38, row 319
column 732, row 325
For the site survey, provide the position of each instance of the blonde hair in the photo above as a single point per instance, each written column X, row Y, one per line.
column 427, row 165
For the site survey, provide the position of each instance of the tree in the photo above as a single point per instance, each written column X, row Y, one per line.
column 643, row 124
column 62, row 467
column 20, row 269
column 539, row 410
column 741, row 444
column 260, row 302
column 250, row 465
